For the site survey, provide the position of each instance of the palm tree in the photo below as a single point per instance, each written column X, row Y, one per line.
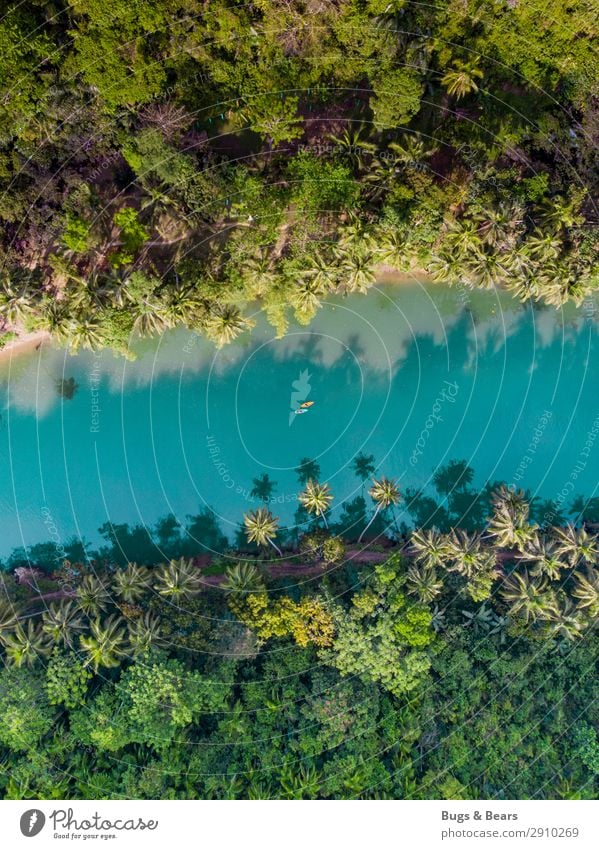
column 263, row 488
column 106, row 644
column 430, row 548
column 541, row 552
column 261, row 528
column 424, row 583
column 9, row 615
column 321, row 274
column 576, row 545
column 316, row 498
column 515, row 499
column 242, row 578
column 363, row 466
column 352, row 143
column 307, row 469
column 357, row 269
column 529, row 597
column 461, row 79
column 62, row 622
column 86, row 333
column 16, row 302
column 143, row 632
column 467, row 554
column 225, row 323
column 586, row 590
column 92, row 595
column 569, row 623
column 462, row 237
column 510, row 528
column 131, row 583
column 412, row 149
column 177, row 580
column 181, row 306
column 24, row 645
column 385, row 493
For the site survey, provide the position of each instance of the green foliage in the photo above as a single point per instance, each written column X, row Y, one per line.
column 66, row 680
column 25, row 712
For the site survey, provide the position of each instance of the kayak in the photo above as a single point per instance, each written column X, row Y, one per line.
column 300, row 410
column 307, row 404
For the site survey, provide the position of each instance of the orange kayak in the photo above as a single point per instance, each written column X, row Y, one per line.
column 306, row 404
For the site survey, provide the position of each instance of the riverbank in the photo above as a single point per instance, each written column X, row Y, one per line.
column 23, row 344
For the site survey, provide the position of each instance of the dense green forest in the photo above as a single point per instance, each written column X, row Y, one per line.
column 178, row 162
column 434, row 664
column 170, row 162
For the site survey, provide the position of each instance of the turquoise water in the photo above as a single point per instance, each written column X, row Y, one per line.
column 414, row 374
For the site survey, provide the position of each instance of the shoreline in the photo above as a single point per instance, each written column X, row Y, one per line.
column 27, row 342
column 23, row 344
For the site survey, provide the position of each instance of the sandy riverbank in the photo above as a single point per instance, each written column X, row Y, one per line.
column 23, row 344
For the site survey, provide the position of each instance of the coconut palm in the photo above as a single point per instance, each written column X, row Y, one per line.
column 321, row 274
column 514, row 498
column 225, row 323
column 241, row 579
column 9, row 615
column 423, row 582
column 16, row 302
column 86, row 333
column 586, row 590
column 150, row 315
column 467, row 555
column 412, row 149
column 569, row 623
column 131, row 583
column 57, row 319
column 460, row 80
column 261, row 528
column 529, row 597
column 542, row 553
column 24, row 645
column 385, row 493
column 462, row 237
column 509, row 527
column 143, row 633
column 445, row 265
column 576, row 545
column 316, row 498
column 62, row 622
column 392, row 248
column 543, row 247
column 353, row 145
column 306, row 298
column 92, row 595
column 106, row 643
column 488, row 268
column 307, row 469
column 177, row 580
column 357, row 269
column 429, row 547
column 181, row 306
